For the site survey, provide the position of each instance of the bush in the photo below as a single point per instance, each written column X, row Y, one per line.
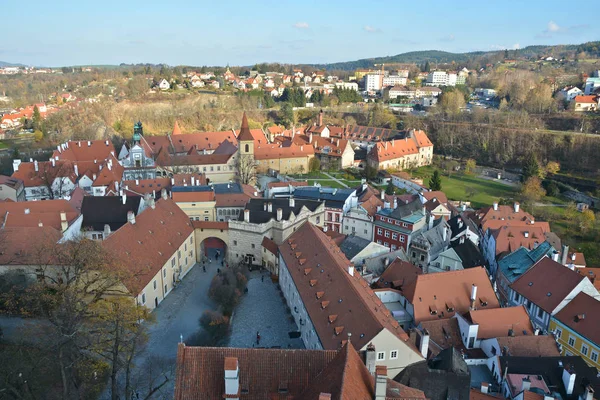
column 551, row 187
column 227, row 287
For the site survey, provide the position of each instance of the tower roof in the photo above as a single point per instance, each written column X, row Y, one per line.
column 245, row 134
column 176, row 130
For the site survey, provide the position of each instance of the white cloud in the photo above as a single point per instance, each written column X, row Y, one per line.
column 516, row 46
column 447, row 38
column 301, row 25
column 371, row 29
column 553, row 27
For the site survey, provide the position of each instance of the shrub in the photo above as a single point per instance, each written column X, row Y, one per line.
column 227, row 287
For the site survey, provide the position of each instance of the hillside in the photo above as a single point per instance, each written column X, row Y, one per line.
column 420, row 57
column 6, row 64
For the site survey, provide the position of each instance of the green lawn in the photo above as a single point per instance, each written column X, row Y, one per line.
column 480, row 192
column 3, row 145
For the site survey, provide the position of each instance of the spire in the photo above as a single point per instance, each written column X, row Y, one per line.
column 245, row 130
column 176, row 130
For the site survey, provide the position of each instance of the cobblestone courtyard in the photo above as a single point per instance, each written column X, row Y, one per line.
column 263, row 310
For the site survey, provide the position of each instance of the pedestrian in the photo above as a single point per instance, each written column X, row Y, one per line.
column 204, row 268
column 257, row 338
column 222, row 263
column 210, row 260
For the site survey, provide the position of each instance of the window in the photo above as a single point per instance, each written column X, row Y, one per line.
column 402, row 238
column 422, row 257
column 191, row 240
column 386, row 244
column 594, row 356
column 393, row 354
column 571, row 341
column 379, row 242
column 164, row 273
column 319, row 219
column 154, row 284
column 379, row 231
column 584, row 349
column 394, row 247
column 387, row 234
column 185, row 247
column 517, row 297
column 395, row 236
column 166, row 289
column 253, row 246
column 173, row 262
column 404, row 225
column 206, row 218
column 178, row 253
column 247, row 148
column 235, row 242
column 540, row 313
column 143, row 298
column 381, row 356
column 558, row 332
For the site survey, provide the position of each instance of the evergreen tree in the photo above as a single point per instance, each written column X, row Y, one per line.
column 435, row 183
column 36, row 118
column 506, row 54
column 427, row 68
column 531, row 167
column 390, row 189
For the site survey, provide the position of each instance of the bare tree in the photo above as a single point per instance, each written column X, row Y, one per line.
column 245, row 169
column 54, row 176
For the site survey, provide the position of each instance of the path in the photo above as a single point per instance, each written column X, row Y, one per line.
column 263, row 310
column 335, row 179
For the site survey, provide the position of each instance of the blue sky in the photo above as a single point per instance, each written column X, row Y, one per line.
column 85, row 32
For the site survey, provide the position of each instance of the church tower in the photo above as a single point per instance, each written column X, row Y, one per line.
column 138, row 132
column 245, row 139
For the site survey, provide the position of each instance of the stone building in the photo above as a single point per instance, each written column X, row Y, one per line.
column 275, row 219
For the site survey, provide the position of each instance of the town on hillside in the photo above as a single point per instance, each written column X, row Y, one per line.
column 260, row 268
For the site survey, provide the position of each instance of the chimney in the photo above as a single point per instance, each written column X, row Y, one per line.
column 386, row 261
column 59, row 148
column 232, row 378
column 464, row 207
column 63, row 221
column 40, row 224
column 16, row 164
column 36, row 166
column 172, row 181
column 382, row 195
column 351, row 270
column 526, row 384
column 484, row 387
column 395, row 203
column 53, row 162
column 137, row 182
column 79, row 144
column 526, row 234
column 163, row 194
column 573, row 256
column 370, row 358
column 378, row 208
column 76, row 169
column 324, row 396
column 194, row 181
column 565, row 254
column 106, row 142
column 473, row 295
column 117, row 186
column 94, row 176
column 131, row 217
column 89, row 143
column 380, row 382
column 292, row 202
column 152, row 203
column 246, row 215
column 279, row 214
column 588, row 394
column 430, row 222
column 423, row 342
column 444, row 233
column 106, row 230
column 124, row 198
column 270, row 207
column 568, row 378
column 27, row 211
column 516, row 207
column 325, row 228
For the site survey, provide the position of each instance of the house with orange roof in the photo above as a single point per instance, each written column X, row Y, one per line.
column 586, row 103
column 359, row 219
column 320, row 285
column 415, row 150
column 46, row 179
column 160, row 248
column 84, row 150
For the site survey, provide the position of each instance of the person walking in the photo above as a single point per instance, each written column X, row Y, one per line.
column 257, row 338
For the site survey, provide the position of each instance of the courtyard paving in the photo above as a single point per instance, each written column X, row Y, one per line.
column 263, row 310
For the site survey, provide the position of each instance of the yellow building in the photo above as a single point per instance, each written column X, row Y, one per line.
column 577, row 328
column 360, row 73
column 159, row 247
column 197, row 205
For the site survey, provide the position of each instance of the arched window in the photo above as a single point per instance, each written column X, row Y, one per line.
column 247, row 148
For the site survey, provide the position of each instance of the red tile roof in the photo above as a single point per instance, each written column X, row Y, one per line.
column 83, row 150
column 529, row 346
column 34, row 213
column 210, row 225
column 149, row 243
column 495, row 323
column 26, row 245
column 586, row 99
column 245, row 133
column 306, row 253
column 547, row 284
column 582, row 315
column 393, row 149
column 304, row 374
column 398, row 274
column 442, row 291
column 176, row 130
column 182, row 197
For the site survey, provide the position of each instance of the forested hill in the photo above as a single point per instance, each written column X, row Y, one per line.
column 419, row 57
column 5, row 64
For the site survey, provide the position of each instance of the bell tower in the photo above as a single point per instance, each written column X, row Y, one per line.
column 245, row 139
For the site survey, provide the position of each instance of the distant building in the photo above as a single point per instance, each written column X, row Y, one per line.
column 586, row 103
column 163, row 84
column 11, row 189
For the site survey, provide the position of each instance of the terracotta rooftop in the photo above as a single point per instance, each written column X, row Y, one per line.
column 443, row 294
column 476, row 394
column 547, row 284
column 83, row 150
column 529, row 346
column 443, row 334
column 398, row 274
column 439, row 195
column 279, row 374
column 317, row 266
column 34, row 213
column 394, row 149
column 499, row 322
column 27, row 245
column 269, row 245
column 593, row 275
column 511, row 238
column 582, row 315
column 586, row 99
column 182, row 197
column 245, row 133
column 149, row 243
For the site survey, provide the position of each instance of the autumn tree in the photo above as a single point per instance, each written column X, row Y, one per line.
column 586, row 220
column 314, row 165
column 435, row 183
column 470, row 166
column 552, row 167
column 452, row 102
column 532, row 190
